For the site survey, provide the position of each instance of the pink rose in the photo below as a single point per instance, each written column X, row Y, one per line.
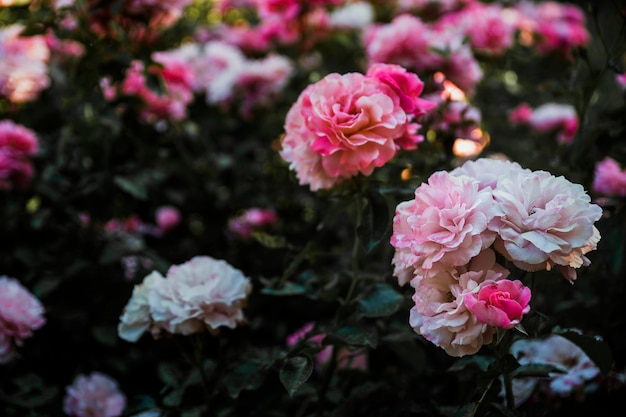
column 609, row 178
column 94, row 395
column 444, row 226
column 251, row 220
column 167, row 218
column 487, row 170
column 440, row 314
column 342, row 126
column 545, row 221
column 17, row 145
column 20, row 314
column 501, row 304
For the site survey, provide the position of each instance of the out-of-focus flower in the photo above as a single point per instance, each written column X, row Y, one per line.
column 502, row 303
column 346, row 358
column 17, row 144
column 24, row 66
column 440, row 314
column 357, row 15
column 555, row 27
column 444, row 226
column 94, row 395
column 545, row 221
column 20, row 314
column 167, row 218
column 557, row 118
column 345, row 125
column 200, row 294
column 251, row 220
column 579, row 370
column 609, row 178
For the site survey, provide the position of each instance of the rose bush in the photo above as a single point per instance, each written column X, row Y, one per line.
column 312, row 208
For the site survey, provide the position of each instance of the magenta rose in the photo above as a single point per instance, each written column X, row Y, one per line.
column 501, row 304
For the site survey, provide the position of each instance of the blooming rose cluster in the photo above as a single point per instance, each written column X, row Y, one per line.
column 346, row 125
column 17, row 145
column 24, row 67
column 579, row 371
column 446, row 238
column 200, row 294
column 557, row 118
column 20, row 314
column 609, row 178
column 93, row 395
column 218, row 71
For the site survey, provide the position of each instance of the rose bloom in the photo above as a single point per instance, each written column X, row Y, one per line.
column 250, row 220
column 346, row 359
column 555, row 350
column 609, row 178
column 357, row 15
column 24, row 69
column 545, row 221
column 167, row 218
column 20, row 314
column 440, row 314
column 94, row 395
column 444, row 226
column 136, row 318
column 501, row 304
column 487, row 170
column 555, row 117
column 200, row 294
column 17, row 144
column 345, row 125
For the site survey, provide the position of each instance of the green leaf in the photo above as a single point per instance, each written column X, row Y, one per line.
column 537, row 370
column 245, row 376
column 288, row 289
column 475, row 361
column 596, row 348
column 382, row 301
column 295, row 372
column 353, row 336
column 134, row 187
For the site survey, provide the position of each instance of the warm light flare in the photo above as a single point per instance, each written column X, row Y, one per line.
column 466, row 148
column 452, row 92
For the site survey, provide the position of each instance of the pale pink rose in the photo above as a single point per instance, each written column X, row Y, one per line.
column 357, row 15
column 346, row 358
column 501, row 304
column 17, row 145
column 136, row 318
column 217, row 68
column 405, row 41
column 251, row 220
column 342, row 126
column 24, row 69
column 579, row 369
column 94, row 395
column 167, row 218
column 561, row 118
column 545, row 221
column 200, row 294
column 20, row 314
column 260, row 81
column 440, row 314
column 609, row 178
column 444, row 226
column 487, row 170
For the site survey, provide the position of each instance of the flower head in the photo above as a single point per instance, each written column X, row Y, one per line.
column 94, row 395
column 501, row 304
column 20, row 313
column 17, row 144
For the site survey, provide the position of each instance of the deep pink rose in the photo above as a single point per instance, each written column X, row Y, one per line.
column 502, row 303
column 609, row 178
column 167, row 218
column 406, row 85
column 17, row 145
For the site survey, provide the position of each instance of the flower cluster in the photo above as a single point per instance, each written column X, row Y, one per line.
column 20, row 313
column 200, row 294
column 93, row 395
column 350, row 124
column 445, row 240
column 17, row 145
